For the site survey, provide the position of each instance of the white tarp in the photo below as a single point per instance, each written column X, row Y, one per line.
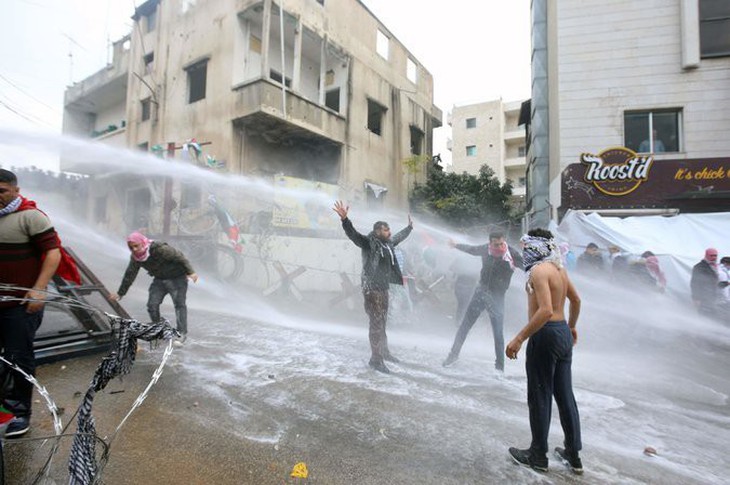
column 678, row 241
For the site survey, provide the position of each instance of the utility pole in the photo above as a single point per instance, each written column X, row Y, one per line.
column 167, row 194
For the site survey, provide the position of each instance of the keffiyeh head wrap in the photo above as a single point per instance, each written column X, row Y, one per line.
column 536, row 250
column 144, row 251
column 11, row 207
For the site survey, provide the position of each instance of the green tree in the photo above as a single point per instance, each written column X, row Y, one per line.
column 463, row 200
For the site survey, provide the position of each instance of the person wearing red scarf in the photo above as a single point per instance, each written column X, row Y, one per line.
column 30, row 254
column 498, row 264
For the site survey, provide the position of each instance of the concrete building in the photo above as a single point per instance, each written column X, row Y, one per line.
column 651, row 78
column 321, row 91
column 488, row 134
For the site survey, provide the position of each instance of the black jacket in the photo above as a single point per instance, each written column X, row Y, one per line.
column 496, row 273
column 704, row 283
column 379, row 264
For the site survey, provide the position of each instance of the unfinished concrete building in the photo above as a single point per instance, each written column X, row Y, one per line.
column 314, row 89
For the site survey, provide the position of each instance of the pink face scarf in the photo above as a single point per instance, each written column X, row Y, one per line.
column 502, row 253
column 144, row 252
column 499, row 251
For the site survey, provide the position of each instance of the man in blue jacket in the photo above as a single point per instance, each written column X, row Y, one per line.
column 380, row 269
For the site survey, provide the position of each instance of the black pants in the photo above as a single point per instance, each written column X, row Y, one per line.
column 549, row 357
column 376, row 306
column 17, row 332
column 177, row 288
column 494, row 304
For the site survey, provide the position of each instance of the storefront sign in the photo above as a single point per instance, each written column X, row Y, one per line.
column 616, row 171
column 618, row 178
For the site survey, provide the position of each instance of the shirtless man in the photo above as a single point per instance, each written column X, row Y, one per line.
column 549, row 352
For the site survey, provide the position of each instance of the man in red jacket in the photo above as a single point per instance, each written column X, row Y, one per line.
column 30, row 253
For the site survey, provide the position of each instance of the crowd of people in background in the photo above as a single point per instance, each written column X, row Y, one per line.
column 618, row 266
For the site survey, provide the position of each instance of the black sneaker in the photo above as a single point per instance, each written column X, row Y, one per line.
column 391, row 358
column 17, row 427
column 571, row 460
column 450, row 360
column 380, row 367
column 526, row 458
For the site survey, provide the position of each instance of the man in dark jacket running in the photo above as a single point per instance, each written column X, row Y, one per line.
column 498, row 264
column 379, row 270
column 170, row 271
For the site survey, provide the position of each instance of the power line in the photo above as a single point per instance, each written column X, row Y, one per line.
column 37, row 121
column 27, row 94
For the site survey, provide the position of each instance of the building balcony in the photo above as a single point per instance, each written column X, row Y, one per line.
column 519, row 191
column 518, row 162
column 514, row 136
column 111, row 81
column 258, row 106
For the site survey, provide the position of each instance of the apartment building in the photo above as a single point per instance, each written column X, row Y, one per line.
column 629, row 107
column 317, row 90
column 489, row 134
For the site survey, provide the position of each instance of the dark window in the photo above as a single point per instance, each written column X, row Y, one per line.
column 149, row 60
column 144, row 146
column 332, row 99
column 653, row 131
column 145, row 109
column 416, row 141
column 197, row 74
column 276, row 76
column 375, row 116
column 521, row 151
column 471, row 151
column 375, row 200
column 471, row 122
column 714, row 28
column 321, row 2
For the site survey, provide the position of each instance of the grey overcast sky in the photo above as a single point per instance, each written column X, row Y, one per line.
column 476, row 50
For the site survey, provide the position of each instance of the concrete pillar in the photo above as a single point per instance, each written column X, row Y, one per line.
column 266, row 40
column 297, row 74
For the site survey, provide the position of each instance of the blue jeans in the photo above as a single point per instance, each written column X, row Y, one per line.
column 17, row 332
column 494, row 304
column 549, row 358
column 177, row 288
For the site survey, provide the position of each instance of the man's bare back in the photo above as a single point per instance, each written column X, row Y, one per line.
column 547, row 290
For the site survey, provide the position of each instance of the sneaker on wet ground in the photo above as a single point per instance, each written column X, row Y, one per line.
column 527, row 458
column 571, row 460
column 450, row 360
column 17, row 427
column 379, row 366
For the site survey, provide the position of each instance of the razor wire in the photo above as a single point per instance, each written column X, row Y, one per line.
column 82, row 465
